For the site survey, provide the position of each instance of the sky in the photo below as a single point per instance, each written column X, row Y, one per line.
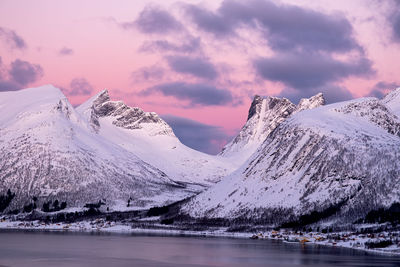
column 198, row 64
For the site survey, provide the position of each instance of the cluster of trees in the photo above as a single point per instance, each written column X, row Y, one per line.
column 5, row 200
column 392, row 215
column 379, row 243
column 314, row 216
column 31, row 206
column 55, row 206
column 96, row 205
column 49, row 206
column 93, row 208
column 157, row 211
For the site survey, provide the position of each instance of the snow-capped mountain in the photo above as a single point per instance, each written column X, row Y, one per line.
column 152, row 139
column 265, row 114
column 48, row 150
column 342, row 159
column 338, row 159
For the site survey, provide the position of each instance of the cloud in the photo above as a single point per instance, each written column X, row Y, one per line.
column 196, row 66
column 206, row 138
column 396, row 28
column 154, row 20
column 18, row 75
column 23, row 72
column 12, row 38
column 209, row 21
column 196, row 94
column 65, row 51
column 80, row 86
column 394, row 20
column 312, row 50
column 382, row 88
column 190, row 46
column 153, row 73
column 332, row 93
column 305, row 70
column 285, row 27
column 2, row 70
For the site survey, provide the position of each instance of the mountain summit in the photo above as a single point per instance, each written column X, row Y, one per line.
column 265, row 114
column 123, row 116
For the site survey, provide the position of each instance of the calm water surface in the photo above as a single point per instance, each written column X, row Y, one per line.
column 80, row 249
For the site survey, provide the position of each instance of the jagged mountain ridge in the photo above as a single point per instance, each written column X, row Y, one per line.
column 343, row 157
column 265, row 114
column 50, row 152
column 152, row 139
column 124, row 116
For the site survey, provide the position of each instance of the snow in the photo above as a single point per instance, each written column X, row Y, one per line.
column 392, row 100
column 49, row 150
column 265, row 114
column 154, row 142
column 346, row 239
column 287, row 161
column 311, row 161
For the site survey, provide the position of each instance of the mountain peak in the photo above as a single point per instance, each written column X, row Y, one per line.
column 270, row 103
column 312, row 102
column 255, row 104
column 265, row 114
column 122, row 115
column 101, row 97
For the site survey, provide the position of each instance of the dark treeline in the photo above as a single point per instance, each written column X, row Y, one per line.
column 382, row 215
column 6, row 199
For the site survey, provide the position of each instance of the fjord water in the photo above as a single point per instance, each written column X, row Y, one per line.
column 19, row 248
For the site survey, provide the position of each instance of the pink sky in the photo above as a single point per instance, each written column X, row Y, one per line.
column 105, row 54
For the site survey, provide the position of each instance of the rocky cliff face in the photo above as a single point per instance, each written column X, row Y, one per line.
column 123, row 116
column 340, row 160
column 265, row 114
column 310, row 103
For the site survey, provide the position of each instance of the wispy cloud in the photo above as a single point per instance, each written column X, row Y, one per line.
column 12, row 38
column 197, row 94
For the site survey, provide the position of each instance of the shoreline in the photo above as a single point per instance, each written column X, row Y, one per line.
column 120, row 228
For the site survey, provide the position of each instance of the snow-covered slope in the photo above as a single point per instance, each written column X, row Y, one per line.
column 392, row 101
column 343, row 157
column 48, row 150
column 152, row 139
column 265, row 114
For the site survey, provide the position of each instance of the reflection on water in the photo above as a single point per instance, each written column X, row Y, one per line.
column 79, row 249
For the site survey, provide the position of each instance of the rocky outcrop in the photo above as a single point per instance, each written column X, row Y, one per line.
column 310, row 103
column 265, row 114
column 126, row 117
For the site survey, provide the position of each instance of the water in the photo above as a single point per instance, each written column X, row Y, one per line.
column 19, row 248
